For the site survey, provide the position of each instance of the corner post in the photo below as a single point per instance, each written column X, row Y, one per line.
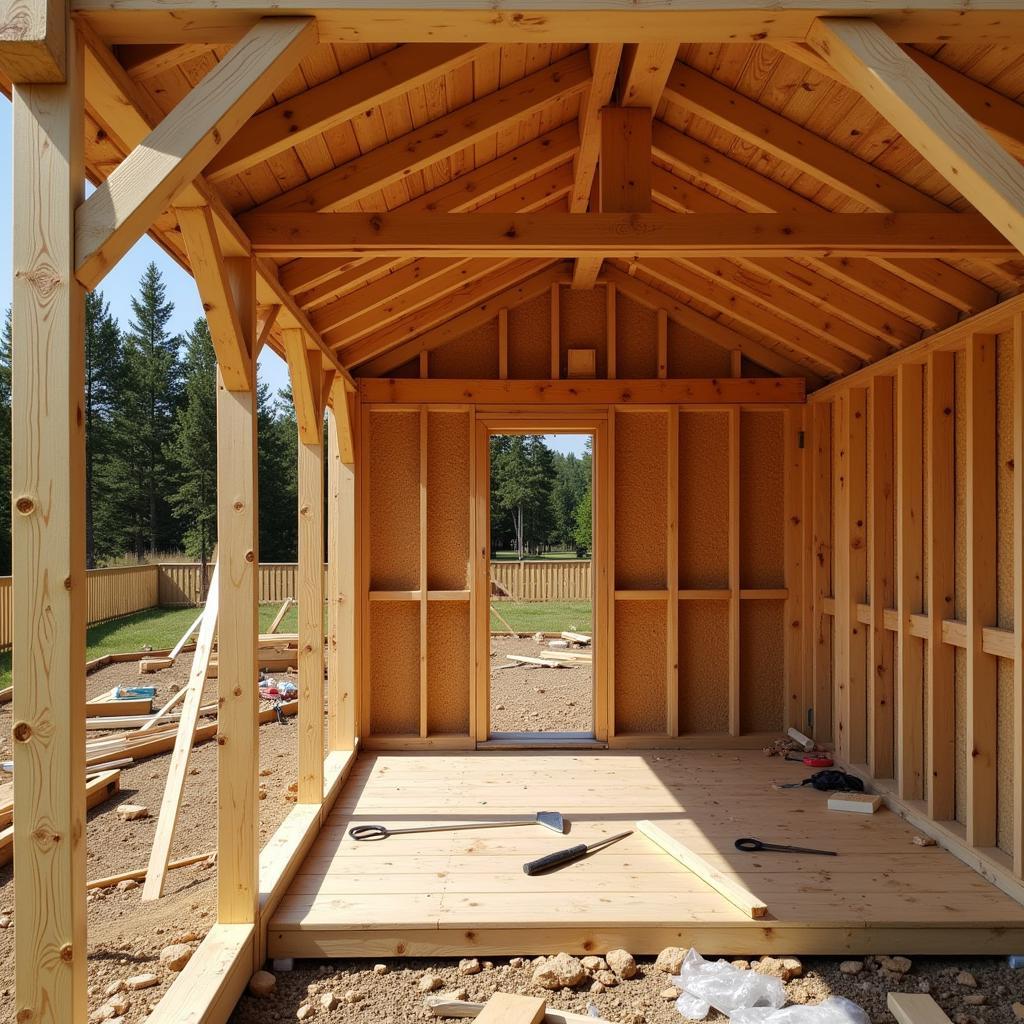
column 238, row 630
column 48, row 534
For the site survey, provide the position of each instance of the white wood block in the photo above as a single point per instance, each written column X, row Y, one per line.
column 860, row 803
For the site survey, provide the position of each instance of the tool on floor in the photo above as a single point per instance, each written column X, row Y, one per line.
column 830, row 780
column 554, row 860
column 751, row 845
column 549, row 819
column 813, row 760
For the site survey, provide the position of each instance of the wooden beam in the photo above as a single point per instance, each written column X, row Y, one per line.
column 604, row 68
column 304, row 374
column 635, row 235
column 909, row 579
column 723, row 391
column 881, row 506
column 941, row 720
column 734, row 636
column 821, row 558
column 33, row 41
column 981, row 544
column 645, row 69
column 1017, row 571
column 928, row 118
column 342, row 98
column 365, row 175
column 147, row 60
column 113, row 218
column 238, row 658
column 49, row 596
column 218, row 278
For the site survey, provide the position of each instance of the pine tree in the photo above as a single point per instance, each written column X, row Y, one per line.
column 5, row 446
column 193, row 450
column 102, row 380
column 144, row 417
column 278, row 477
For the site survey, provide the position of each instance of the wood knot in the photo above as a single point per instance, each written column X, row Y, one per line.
column 22, row 731
column 238, row 506
column 221, row 739
column 67, row 953
column 237, row 691
column 249, row 556
column 25, row 505
column 44, row 280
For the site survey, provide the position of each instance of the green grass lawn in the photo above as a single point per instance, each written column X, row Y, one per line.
column 158, row 628
column 560, row 556
column 543, row 616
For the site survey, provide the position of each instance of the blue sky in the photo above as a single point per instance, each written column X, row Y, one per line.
column 122, row 282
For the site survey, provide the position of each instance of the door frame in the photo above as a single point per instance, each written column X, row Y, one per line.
column 541, row 421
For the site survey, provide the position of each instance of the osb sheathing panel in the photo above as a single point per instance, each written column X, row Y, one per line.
column 448, row 667
column 394, row 667
column 640, row 653
column 636, row 339
column 703, row 500
column 703, row 666
column 448, row 512
column 473, row 355
column 529, row 340
column 762, row 667
column 583, row 323
column 761, row 500
column 960, row 574
column 394, row 525
column 641, row 495
column 689, row 355
column 1004, row 588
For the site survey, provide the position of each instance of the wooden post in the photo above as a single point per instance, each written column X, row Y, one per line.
column 941, row 724
column 735, row 576
column 341, row 551
column 238, row 638
column 1018, row 595
column 423, row 582
column 48, row 541
column 822, row 554
column 981, row 545
column 672, row 575
column 793, row 548
column 909, row 571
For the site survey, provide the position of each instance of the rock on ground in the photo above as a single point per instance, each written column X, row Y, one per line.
column 561, row 971
column 670, row 960
column 176, row 956
column 622, row 963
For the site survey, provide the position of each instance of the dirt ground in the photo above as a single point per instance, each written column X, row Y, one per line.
column 530, row 698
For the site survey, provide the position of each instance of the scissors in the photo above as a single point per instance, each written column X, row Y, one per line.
column 750, row 845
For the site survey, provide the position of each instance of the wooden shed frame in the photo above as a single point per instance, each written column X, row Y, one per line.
column 849, row 264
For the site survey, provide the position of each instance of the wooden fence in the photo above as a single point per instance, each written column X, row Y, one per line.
column 545, row 580
column 180, row 583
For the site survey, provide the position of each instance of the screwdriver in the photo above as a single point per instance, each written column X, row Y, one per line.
column 553, row 860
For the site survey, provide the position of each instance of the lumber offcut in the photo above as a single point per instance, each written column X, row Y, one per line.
column 739, row 897
column 915, row 1008
column 439, row 1006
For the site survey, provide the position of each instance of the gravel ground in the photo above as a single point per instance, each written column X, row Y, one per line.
column 529, row 698
column 394, row 996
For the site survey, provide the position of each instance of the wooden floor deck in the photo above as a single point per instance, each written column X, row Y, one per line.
column 452, row 893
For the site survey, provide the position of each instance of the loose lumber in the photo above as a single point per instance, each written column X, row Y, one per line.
column 126, row 721
column 578, row 638
column 915, row 1008
column 525, row 659
column 138, row 875
column 501, row 619
column 906, row 236
column 279, row 617
column 725, row 886
column 439, row 1006
column 806, row 743
column 107, row 704
column 125, row 205
column 858, row 803
column 509, row 1008
column 175, row 785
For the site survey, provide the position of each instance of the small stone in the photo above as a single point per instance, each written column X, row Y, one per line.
column 131, row 812
column 126, row 885
column 1018, row 1010
column 328, row 1001
column 670, row 960
column 669, row 993
column 430, row 983
column 741, row 965
column 113, row 988
column 597, row 988
column 594, row 963
column 304, row 1011
column 488, row 965
column 851, row 966
column 924, row 986
column 188, row 937
column 175, row 957
column 561, row 971
column 380, row 968
column 975, row 999
column 140, row 981
column 793, row 968
column 622, row 963
column 634, row 1018
column 966, row 978
column 607, row 978
column 469, row 966
column 5, row 921
column 923, row 841
column 517, row 962
column 120, row 1003
column 785, row 968
column 456, row 994
column 104, row 1012
column 895, row 964
column 353, row 995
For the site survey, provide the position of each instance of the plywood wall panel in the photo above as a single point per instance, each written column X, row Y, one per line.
column 449, row 454
column 473, row 355
column 761, row 500
column 529, row 340
column 703, row 667
column 394, row 668
column 448, row 667
column 583, row 324
column 394, row 470
column 704, row 500
column 693, row 356
column 762, row 666
column 641, row 495
column 636, row 339
column 640, row 638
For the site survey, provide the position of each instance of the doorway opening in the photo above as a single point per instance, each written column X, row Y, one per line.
column 540, row 573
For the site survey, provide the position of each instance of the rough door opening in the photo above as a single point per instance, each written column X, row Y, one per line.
column 541, row 546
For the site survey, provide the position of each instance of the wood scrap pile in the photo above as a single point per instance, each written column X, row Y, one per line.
column 570, row 649
column 506, row 1008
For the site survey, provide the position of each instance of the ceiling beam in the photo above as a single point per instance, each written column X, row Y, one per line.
column 604, row 68
column 124, row 206
column 33, row 40
column 339, row 99
column 306, row 377
column 146, row 60
column 365, row 175
column 644, row 71
column 567, row 235
column 928, row 118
